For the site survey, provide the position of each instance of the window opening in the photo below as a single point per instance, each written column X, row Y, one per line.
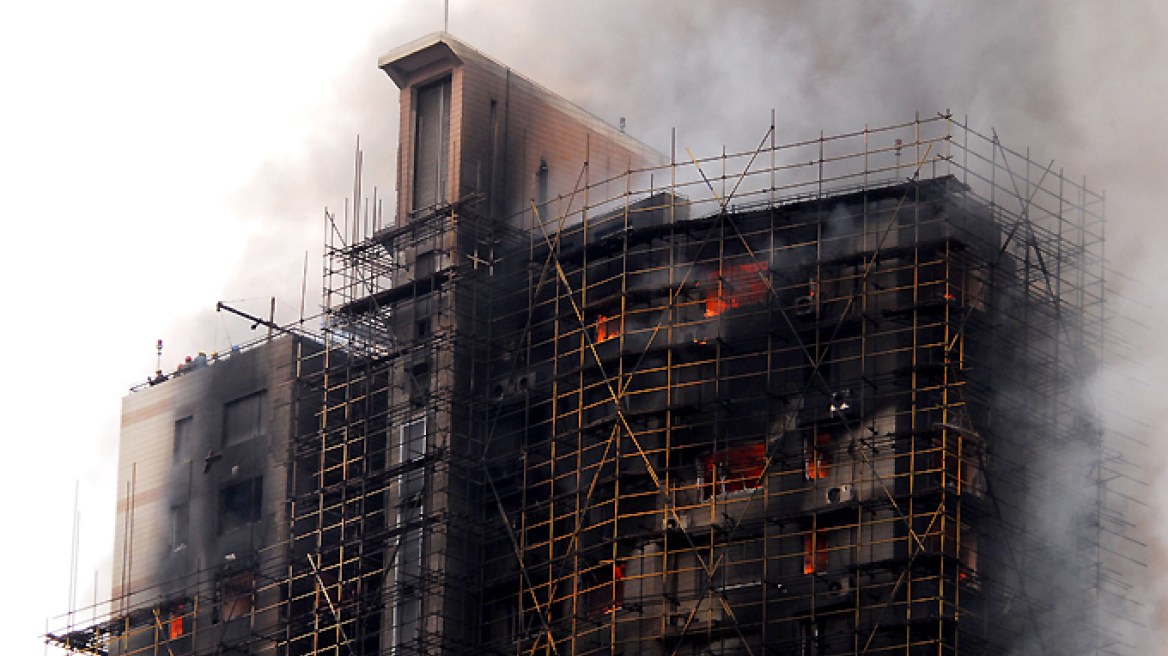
column 422, row 318
column 413, row 440
column 425, row 264
column 809, row 303
column 814, row 552
column 972, row 479
column 608, row 328
column 431, row 144
column 618, row 586
column 958, row 462
column 243, row 418
column 239, row 504
column 419, row 385
column 737, row 469
column 407, row 612
column 183, row 430
column 175, row 625
column 738, row 285
column 817, row 457
column 964, row 284
column 180, row 519
column 541, row 188
column 329, row 589
column 238, row 595
column 967, row 556
column 811, row 645
column 609, row 594
column 964, row 550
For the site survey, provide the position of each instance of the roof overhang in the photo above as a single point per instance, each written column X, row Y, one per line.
column 434, row 48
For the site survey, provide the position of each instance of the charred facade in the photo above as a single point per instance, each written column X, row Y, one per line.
column 824, row 397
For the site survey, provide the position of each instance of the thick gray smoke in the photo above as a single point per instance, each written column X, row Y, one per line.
column 1080, row 81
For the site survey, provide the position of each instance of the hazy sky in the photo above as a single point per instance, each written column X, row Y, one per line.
column 156, row 158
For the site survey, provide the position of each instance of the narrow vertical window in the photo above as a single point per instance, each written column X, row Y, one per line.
column 967, row 554
column 972, row 479
column 407, row 612
column 618, row 586
column 182, row 437
column 327, row 590
column 608, row 589
column 419, row 383
column 423, row 323
column 431, row 144
column 176, row 622
column 811, row 643
column 541, row 188
column 814, row 552
column 492, row 201
column 817, row 457
column 413, row 440
column 180, row 520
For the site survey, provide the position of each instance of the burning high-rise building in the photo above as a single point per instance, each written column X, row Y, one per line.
column 579, row 397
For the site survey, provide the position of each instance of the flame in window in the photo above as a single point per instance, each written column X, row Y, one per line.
column 176, row 624
column 608, row 328
column 817, row 458
column 609, row 596
column 815, row 552
column 732, row 470
column 738, row 285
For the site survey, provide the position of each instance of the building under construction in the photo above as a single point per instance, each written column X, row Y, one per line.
column 579, row 397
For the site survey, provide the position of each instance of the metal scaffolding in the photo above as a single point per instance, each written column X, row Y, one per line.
column 824, row 397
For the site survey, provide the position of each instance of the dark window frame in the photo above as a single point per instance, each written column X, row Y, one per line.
column 240, row 504
column 183, row 432
column 423, row 135
column 180, row 522
column 260, row 398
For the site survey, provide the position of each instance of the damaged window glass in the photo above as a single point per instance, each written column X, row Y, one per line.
column 239, row 504
column 243, row 418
